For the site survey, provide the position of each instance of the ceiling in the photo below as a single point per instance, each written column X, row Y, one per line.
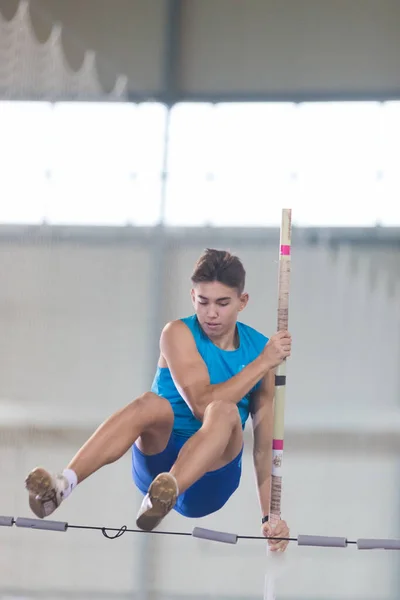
column 215, row 50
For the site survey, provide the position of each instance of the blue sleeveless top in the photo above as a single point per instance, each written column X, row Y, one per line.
column 221, row 365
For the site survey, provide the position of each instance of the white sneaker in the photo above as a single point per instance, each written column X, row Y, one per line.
column 158, row 502
column 46, row 491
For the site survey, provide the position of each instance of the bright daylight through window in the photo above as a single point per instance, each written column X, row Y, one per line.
column 225, row 164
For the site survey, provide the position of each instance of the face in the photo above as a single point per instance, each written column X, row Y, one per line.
column 217, row 307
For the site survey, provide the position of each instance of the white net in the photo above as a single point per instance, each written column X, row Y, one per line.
column 31, row 69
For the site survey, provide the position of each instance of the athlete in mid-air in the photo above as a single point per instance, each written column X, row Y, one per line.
column 186, row 434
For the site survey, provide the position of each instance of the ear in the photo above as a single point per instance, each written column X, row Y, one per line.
column 244, row 298
column 192, row 295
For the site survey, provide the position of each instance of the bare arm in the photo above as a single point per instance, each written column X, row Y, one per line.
column 190, row 373
column 262, row 415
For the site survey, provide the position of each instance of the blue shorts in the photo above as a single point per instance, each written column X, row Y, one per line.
column 205, row 496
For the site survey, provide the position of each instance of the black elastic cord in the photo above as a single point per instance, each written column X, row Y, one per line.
column 124, row 529
column 119, row 531
column 117, row 535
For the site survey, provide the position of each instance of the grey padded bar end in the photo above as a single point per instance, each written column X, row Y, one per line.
column 6, row 521
column 322, row 540
column 39, row 524
column 215, row 536
column 367, row 544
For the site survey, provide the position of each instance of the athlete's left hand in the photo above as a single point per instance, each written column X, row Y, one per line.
column 280, row 530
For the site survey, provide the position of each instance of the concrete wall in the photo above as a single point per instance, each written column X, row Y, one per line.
column 74, row 321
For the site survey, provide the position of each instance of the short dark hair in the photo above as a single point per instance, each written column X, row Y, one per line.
column 222, row 266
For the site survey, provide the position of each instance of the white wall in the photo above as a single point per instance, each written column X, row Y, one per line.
column 350, row 492
column 74, row 320
column 41, row 561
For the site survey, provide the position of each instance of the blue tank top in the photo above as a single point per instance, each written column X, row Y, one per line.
column 221, row 365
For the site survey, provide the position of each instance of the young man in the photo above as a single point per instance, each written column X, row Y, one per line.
column 186, row 434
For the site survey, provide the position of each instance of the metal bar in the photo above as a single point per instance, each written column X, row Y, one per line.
column 135, row 235
column 244, row 96
column 157, row 276
column 173, row 47
column 241, row 96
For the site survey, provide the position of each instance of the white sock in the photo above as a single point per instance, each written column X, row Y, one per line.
column 72, row 479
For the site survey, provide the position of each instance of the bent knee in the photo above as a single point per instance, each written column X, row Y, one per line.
column 225, row 411
column 156, row 407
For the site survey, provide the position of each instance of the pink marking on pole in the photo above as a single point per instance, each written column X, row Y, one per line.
column 277, row 444
column 285, row 250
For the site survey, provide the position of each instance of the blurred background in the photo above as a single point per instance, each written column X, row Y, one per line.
column 134, row 134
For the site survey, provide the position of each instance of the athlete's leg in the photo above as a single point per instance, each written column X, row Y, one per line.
column 214, row 445
column 147, row 420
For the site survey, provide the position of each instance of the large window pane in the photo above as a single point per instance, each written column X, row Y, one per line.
column 24, row 197
column 118, row 202
column 228, row 164
column 389, row 184
column 82, row 163
column 25, row 152
column 25, row 133
column 189, row 201
column 249, row 201
column 333, row 163
column 254, row 139
column 191, row 149
column 338, row 140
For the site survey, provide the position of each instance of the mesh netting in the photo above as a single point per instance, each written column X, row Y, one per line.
column 31, row 69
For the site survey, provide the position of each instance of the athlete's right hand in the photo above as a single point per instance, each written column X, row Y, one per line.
column 277, row 349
